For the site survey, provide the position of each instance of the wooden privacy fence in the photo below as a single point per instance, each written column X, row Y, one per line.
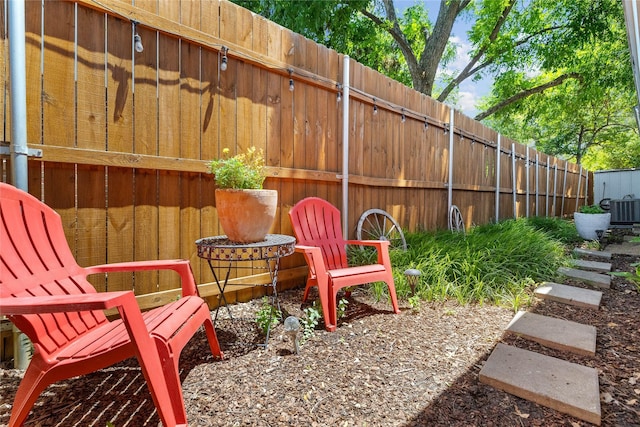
column 125, row 135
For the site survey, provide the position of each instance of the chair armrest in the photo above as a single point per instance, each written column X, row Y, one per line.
column 313, row 256
column 180, row 266
column 382, row 247
column 374, row 243
column 63, row 303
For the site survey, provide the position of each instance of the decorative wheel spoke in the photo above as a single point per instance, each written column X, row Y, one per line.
column 456, row 223
column 376, row 224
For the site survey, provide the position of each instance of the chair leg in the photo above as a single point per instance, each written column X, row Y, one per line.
column 214, row 345
column 171, row 374
column 33, row 383
column 392, row 294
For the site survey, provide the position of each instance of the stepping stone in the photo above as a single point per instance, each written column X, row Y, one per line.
column 570, row 295
column 598, row 280
column 555, row 333
column 587, row 252
column 566, row 387
column 602, row 267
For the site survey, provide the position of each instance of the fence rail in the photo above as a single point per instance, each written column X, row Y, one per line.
column 125, row 135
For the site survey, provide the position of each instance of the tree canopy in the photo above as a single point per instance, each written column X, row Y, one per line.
column 561, row 68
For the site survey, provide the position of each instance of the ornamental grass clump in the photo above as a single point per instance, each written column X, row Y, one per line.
column 494, row 263
column 244, row 171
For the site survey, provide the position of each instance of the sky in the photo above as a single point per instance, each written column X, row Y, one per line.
column 470, row 92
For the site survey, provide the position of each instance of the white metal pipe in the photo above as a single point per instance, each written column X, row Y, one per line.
column 546, row 192
column 564, row 189
column 17, row 70
column 578, row 190
column 555, row 188
column 498, row 154
column 513, row 178
column 450, row 185
column 526, row 168
column 537, row 184
column 345, row 147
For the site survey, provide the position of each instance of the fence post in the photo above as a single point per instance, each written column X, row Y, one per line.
column 555, row 187
column 345, row 148
column 546, row 192
column 498, row 154
column 564, row 189
column 450, row 185
column 526, row 168
column 537, row 184
column 578, row 190
column 513, row 177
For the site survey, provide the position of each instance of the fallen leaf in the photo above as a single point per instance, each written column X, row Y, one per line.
column 632, row 380
column 574, row 424
column 612, row 325
column 520, row 414
column 636, row 390
column 632, row 401
column 607, row 398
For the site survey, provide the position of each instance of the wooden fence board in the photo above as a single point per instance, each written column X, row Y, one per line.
column 138, row 167
column 91, row 98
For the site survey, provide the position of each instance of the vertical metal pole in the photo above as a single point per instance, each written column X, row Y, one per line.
column 498, row 154
column 586, row 189
column 537, row 184
column 451, row 138
column 564, row 189
column 345, row 148
column 578, row 190
column 513, row 177
column 527, row 185
column 555, row 187
column 546, row 192
column 17, row 70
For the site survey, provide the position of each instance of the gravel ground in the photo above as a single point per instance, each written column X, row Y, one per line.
column 417, row 368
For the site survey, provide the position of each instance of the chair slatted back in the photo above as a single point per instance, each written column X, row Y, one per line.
column 317, row 222
column 35, row 260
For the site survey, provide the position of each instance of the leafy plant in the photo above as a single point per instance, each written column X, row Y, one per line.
column 312, row 316
column 342, row 308
column 633, row 277
column 242, row 171
column 268, row 316
column 309, row 321
column 493, row 263
column 591, row 209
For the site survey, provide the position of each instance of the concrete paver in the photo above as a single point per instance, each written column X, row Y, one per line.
column 601, row 267
column 566, row 387
column 571, row 295
column 555, row 333
column 598, row 280
column 596, row 254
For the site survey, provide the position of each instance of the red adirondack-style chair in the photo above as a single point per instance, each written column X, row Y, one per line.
column 316, row 224
column 45, row 293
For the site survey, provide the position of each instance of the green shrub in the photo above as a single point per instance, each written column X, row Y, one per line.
column 494, row 263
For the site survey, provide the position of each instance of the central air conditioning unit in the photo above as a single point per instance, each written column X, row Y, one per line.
column 625, row 211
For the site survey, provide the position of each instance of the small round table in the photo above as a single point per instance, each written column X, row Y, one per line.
column 270, row 250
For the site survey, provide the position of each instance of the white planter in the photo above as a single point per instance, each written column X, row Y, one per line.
column 587, row 224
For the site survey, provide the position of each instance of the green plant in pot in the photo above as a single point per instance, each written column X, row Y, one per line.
column 590, row 220
column 246, row 211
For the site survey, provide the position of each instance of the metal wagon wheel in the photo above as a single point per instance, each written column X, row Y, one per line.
column 376, row 224
column 456, row 223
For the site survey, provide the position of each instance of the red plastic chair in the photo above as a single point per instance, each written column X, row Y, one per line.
column 44, row 292
column 316, row 224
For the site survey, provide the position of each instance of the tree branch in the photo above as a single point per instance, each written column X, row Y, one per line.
column 526, row 93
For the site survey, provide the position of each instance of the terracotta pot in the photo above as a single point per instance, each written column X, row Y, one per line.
column 246, row 216
column 588, row 223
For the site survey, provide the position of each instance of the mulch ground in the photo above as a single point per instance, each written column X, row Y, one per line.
column 418, row 368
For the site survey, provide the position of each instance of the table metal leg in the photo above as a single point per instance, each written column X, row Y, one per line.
column 275, row 300
column 221, row 289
